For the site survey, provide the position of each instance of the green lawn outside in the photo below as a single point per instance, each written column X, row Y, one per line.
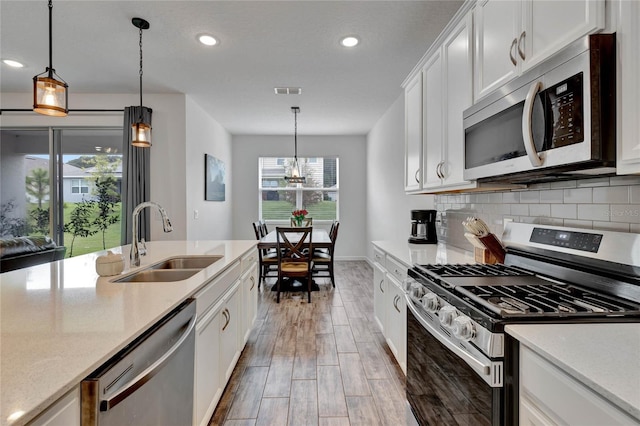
column 93, row 243
column 281, row 210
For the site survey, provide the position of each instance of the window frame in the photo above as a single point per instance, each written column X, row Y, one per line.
column 298, row 188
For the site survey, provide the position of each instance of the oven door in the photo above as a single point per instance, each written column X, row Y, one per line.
column 446, row 385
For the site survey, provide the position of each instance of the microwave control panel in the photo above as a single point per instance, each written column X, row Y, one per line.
column 565, row 112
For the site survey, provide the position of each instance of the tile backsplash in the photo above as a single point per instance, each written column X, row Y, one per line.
column 609, row 203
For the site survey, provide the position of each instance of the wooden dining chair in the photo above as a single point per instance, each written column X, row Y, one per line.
column 307, row 221
column 293, row 260
column 323, row 260
column 263, row 227
column 267, row 259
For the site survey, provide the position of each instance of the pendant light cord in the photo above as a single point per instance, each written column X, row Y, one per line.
column 50, row 69
column 141, row 74
column 295, row 135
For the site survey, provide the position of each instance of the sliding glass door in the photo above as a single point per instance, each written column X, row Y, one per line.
column 63, row 183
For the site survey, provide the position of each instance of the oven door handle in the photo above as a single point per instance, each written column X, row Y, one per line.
column 527, row 123
column 483, row 369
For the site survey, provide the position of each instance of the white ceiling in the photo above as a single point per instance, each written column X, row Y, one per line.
column 263, row 44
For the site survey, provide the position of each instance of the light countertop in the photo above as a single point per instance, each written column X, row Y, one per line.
column 440, row 253
column 60, row 321
column 605, row 357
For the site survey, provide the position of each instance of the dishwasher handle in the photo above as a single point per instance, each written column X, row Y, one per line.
column 142, row 378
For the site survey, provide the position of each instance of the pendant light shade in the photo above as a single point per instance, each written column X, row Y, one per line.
column 140, row 131
column 50, row 96
column 296, row 176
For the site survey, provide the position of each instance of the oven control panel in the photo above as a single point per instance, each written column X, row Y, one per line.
column 568, row 239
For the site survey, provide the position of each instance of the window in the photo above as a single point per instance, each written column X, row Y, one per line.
column 79, row 186
column 319, row 195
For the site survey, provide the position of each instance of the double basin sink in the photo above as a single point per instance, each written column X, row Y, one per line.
column 176, row 268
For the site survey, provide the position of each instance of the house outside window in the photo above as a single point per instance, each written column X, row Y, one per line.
column 79, row 186
column 319, row 195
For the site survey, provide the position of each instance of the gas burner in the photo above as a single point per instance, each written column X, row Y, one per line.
column 468, row 270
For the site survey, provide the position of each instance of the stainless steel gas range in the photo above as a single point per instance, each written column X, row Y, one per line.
column 461, row 367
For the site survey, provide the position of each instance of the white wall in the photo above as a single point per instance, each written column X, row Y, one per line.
column 350, row 150
column 168, row 153
column 206, row 136
column 388, row 207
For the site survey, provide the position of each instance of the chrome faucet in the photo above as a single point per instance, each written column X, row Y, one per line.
column 166, row 225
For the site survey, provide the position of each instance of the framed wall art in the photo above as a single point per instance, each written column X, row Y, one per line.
column 214, row 177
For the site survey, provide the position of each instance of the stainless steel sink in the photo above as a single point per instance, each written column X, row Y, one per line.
column 186, row 262
column 158, row 275
column 175, row 268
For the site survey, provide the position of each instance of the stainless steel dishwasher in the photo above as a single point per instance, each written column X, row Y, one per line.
column 149, row 382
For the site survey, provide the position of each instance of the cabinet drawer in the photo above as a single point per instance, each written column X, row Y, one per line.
column 560, row 397
column 249, row 259
column 378, row 256
column 206, row 297
column 396, row 268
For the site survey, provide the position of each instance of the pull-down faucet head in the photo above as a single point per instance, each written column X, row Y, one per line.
column 166, row 226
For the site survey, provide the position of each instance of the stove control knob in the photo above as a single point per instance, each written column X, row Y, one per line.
column 447, row 314
column 430, row 302
column 417, row 291
column 463, row 328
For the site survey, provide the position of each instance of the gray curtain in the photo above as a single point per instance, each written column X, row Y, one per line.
column 136, row 185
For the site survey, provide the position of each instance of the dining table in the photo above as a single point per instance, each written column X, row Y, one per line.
column 319, row 239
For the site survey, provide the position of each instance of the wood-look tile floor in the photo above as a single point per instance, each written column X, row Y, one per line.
column 323, row 363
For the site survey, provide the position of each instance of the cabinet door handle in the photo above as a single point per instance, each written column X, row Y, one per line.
column 520, row 51
column 395, row 302
column 440, row 170
column 227, row 317
column 381, row 290
column 416, row 175
column 253, row 283
column 511, row 56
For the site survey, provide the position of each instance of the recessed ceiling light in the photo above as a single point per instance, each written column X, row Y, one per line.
column 349, row 41
column 207, row 40
column 12, row 63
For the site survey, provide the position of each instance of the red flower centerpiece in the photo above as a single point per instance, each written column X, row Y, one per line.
column 299, row 215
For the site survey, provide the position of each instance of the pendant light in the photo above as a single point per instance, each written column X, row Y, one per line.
column 141, row 131
column 50, row 95
column 296, row 176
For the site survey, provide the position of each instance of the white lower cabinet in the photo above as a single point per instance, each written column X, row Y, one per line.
column 550, row 396
column 229, row 328
column 389, row 305
column 396, row 328
column 249, row 307
column 226, row 310
column 379, row 296
column 64, row 412
column 208, row 381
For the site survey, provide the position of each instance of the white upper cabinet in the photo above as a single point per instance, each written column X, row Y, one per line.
column 432, row 122
column 513, row 36
column 628, row 40
column 458, row 75
column 447, row 92
column 497, row 27
column 413, row 134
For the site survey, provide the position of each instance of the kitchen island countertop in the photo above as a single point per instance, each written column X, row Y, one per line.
column 60, row 321
column 604, row 357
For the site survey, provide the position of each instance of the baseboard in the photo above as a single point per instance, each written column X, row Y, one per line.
column 351, row 258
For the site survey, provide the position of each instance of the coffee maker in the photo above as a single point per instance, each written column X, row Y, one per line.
column 423, row 227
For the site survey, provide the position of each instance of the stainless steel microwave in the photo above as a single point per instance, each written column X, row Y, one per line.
column 556, row 121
